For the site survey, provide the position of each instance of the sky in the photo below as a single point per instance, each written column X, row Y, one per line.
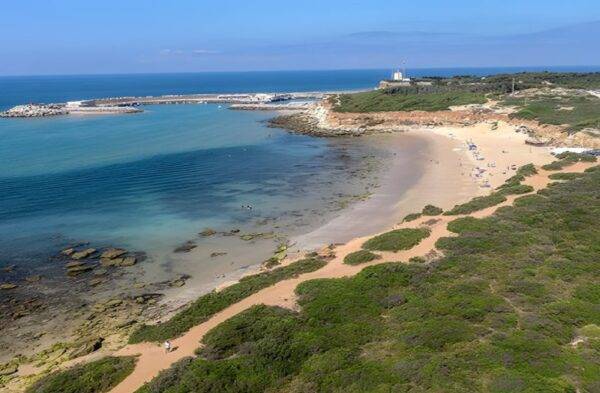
column 139, row 36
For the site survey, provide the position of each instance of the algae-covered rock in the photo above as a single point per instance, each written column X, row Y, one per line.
column 83, row 254
column 112, row 253
column 128, row 261
column 208, row 232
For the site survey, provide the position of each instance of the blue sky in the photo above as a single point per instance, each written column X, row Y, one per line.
column 68, row 36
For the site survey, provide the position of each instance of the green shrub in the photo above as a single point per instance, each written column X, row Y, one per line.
column 478, row 203
column 213, row 302
column 396, row 240
column 516, row 190
column 468, row 224
column 166, row 378
column 358, row 257
column 94, row 377
column 566, row 176
column 566, row 159
column 412, row 217
column 430, row 210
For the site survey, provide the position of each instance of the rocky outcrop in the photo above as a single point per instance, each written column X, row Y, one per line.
column 33, row 110
column 83, row 254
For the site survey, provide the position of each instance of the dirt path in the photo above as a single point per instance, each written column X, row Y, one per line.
column 153, row 359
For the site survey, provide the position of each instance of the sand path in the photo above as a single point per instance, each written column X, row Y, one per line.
column 152, row 358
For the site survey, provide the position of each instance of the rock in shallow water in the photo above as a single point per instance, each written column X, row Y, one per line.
column 112, row 253
column 83, row 254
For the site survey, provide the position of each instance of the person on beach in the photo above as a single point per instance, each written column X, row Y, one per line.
column 167, row 346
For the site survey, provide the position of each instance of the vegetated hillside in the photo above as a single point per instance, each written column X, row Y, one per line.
column 386, row 101
column 441, row 93
column 514, row 306
column 576, row 111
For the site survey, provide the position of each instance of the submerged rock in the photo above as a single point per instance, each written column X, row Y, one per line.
column 128, row 261
column 185, row 247
column 68, row 251
column 83, row 254
column 208, row 232
column 73, row 264
column 112, row 253
column 74, row 271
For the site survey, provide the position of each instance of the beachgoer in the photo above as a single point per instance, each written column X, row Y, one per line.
column 167, row 346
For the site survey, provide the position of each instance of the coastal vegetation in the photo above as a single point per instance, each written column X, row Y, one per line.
column 396, row 240
column 478, row 203
column 566, row 159
column 385, row 101
column 512, row 306
column 411, row 217
column 206, row 306
column 576, row 111
column 430, row 210
column 95, row 377
column 361, row 256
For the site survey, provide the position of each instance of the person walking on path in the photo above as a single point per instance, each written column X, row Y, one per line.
column 167, row 346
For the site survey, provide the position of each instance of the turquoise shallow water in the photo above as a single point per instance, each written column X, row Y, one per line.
column 150, row 181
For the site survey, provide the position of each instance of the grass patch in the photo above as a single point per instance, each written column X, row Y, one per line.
column 478, row 203
column 430, row 210
column 213, row 302
column 383, row 101
column 396, row 240
column 358, row 257
column 94, row 377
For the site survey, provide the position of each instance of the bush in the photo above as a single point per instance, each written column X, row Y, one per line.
column 412, row 217
column 358, row 257
column 478, row 203
column 94, row 377
column 468, row 224
column 430, row 210
column 166, row 378
column 399, row 239
column 566, row 159
column 566, row 176
column 213, row 302
column 516, row 190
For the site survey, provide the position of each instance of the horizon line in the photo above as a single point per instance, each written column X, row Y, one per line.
column 297, row 70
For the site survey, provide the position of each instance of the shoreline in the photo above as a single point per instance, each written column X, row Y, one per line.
column 445, row 179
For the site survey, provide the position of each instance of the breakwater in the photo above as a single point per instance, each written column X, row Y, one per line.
column 121, row 105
